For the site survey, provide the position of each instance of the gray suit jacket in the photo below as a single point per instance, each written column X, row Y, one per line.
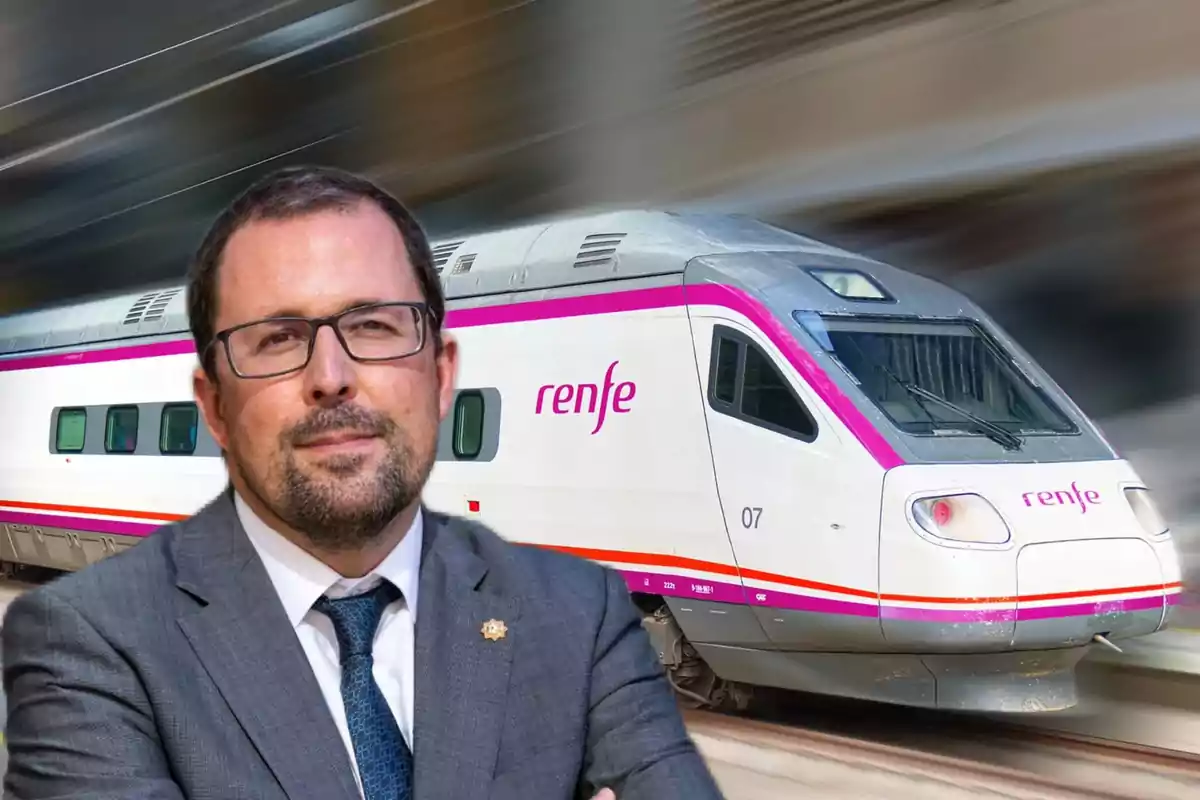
column 171, row 671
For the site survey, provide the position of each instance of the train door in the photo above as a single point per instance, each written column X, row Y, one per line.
column 804, row 536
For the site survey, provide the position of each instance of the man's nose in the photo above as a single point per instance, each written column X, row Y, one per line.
column 330, row 376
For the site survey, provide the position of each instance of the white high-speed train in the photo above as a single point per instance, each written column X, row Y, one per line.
column 815, row 471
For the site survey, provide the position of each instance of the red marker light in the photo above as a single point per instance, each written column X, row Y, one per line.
column 473, row 506
column 942, row 512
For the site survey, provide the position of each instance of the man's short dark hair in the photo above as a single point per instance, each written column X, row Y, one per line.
column 292, row 192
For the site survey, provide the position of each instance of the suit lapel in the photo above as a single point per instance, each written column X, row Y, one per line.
column 461, row 677
column 242, row 636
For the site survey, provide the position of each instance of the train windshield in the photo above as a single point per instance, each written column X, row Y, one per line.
column 935, row 377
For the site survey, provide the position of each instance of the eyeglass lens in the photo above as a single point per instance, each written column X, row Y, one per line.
column 282, row 345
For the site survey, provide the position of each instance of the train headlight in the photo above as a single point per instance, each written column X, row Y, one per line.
column 961, row 518
column 1146, row 511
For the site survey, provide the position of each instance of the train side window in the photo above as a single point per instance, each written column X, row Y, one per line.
column 767, row 397
column 724, row 381
column 71, row 430
column 177, row 436
column 468, row 424
column 744, row 383
column 121, row 429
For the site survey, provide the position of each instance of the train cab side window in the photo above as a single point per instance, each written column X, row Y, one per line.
column 177, row 433
column 468, row 424
column 725, row 375
column 121, row 429
column 744, row 383
column 766, row 396
column 71, row 430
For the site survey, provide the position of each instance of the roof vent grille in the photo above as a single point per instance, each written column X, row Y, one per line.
column 442, row 253
column 463, row 265
column 598, row 249
column 150, row 307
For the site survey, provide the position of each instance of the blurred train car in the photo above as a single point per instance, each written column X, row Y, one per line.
column 815, row 471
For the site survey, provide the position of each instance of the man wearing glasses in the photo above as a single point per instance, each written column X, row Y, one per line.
column 314, row 632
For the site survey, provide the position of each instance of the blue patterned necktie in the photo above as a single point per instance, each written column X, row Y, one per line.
column 384, row 760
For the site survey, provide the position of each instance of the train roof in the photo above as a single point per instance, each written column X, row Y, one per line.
column 551, row 254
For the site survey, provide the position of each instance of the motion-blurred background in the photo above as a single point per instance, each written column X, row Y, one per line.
column 1041, row 155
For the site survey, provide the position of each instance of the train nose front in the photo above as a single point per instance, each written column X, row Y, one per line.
column 1028, row 557
column 1095, row 557
column 1068, row 592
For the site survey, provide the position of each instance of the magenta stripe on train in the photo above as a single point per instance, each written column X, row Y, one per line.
column 723, row 592
column 713, row 590
column 90, row 524
column 614, row 302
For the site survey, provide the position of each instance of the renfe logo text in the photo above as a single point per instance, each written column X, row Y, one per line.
column 1065, row 498
column 585, row 398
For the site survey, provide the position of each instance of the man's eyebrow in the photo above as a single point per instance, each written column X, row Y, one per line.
column 291, row 311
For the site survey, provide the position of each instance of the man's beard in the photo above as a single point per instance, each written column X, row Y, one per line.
column 348, row 506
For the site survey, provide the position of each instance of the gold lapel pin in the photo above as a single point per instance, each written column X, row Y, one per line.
column 494, row 630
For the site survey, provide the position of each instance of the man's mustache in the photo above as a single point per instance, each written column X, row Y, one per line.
column 337, row 419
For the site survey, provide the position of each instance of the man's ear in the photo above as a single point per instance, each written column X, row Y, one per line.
column 447, row 373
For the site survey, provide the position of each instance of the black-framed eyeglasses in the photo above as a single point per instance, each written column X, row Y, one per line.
column 268, row 348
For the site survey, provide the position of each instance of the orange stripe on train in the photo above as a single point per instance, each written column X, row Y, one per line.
column 660, row 560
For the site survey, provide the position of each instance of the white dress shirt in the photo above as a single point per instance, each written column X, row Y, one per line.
column 300, row 579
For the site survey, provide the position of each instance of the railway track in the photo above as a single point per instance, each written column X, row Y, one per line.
column 1108, row 749
column 964, row 756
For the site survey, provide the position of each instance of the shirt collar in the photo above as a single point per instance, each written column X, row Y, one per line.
column 301, row 579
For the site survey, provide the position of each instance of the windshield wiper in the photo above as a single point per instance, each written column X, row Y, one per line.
column 1006, row 439
column 1009, row 441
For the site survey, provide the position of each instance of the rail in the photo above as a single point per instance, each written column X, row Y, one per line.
column 1096, row 769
